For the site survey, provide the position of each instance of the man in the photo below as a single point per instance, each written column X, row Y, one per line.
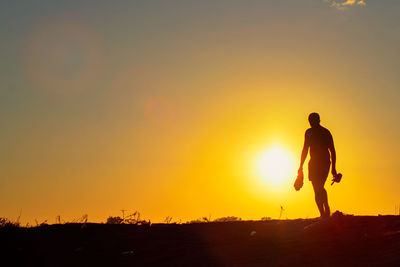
column 320, row 142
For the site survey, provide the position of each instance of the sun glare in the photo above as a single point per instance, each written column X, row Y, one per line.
column 275, row 166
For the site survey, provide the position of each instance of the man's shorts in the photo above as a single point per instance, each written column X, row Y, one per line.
column 318, row 171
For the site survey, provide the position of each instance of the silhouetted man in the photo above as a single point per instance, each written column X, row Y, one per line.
column 320, row 142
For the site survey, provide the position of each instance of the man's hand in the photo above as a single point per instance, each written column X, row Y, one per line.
column 337, row 178
column 298, row 184
column 334, row 173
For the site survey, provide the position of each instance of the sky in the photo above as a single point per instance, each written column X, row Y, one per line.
column 164, row 107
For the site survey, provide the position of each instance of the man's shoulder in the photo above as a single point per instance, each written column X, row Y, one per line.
column 318, row 130
column 326, row 130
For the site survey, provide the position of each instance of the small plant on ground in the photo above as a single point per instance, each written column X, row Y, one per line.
column 200, row 220
column 4, row 222
column 82, row 219
column 44, row 223
column 265, row 218
column 133, row 218
column 168, row 220
column 228, row 219
column 114, row 220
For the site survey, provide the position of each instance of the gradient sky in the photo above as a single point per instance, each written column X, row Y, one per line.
column 162, row 106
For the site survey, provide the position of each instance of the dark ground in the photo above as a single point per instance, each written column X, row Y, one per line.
column 338, row 241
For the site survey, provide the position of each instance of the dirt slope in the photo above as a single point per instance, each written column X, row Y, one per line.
column 338, row 241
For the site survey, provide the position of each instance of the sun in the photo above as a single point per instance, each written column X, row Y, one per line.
column 275, row 166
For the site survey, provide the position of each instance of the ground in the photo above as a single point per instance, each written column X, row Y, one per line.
column 341, row 240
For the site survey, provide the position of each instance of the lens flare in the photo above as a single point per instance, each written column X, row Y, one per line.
column 160, row 111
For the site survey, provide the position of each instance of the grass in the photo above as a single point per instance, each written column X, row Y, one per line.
column 6, row 223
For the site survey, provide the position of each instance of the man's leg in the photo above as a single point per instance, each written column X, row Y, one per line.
column 326, row 205
column 321, row 198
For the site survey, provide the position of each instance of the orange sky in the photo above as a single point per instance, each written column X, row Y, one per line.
column 163, row 108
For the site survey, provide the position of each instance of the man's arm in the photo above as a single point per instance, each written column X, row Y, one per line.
column 304, row 153
column 333, row 156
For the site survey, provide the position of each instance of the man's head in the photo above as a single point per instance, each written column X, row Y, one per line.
column 314, row 120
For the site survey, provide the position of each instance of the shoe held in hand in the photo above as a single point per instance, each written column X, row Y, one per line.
column 337, row 178
column 298, row 184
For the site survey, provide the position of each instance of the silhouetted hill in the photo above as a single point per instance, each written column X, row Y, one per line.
column 338, row 241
